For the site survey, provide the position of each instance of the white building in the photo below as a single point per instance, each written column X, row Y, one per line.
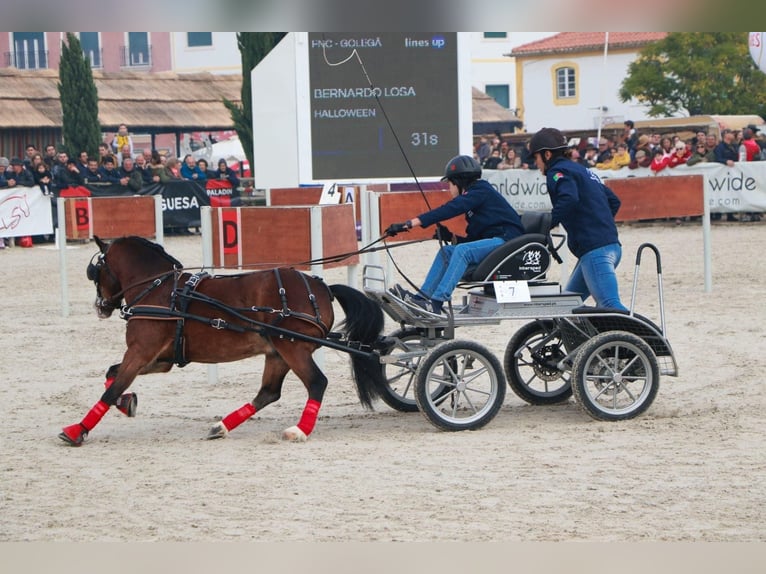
column 214, row 52
column 566, row 81
column 492, row 70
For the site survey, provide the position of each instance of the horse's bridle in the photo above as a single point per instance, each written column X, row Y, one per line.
column 93, row 272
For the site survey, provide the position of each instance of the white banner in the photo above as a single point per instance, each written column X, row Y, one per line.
column 730, row 189
column 24, row 211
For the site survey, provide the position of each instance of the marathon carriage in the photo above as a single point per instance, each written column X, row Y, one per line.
column 611, row 361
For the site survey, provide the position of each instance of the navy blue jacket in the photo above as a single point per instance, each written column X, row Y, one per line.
column 487, row 212
column 583, row 205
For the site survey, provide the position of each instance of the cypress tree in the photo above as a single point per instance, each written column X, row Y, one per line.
column 253, row 46
column 79, row 100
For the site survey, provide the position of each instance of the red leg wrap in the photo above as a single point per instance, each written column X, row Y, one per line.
column 233, row 420
column 108, row 382
column 94, row 415
column 309, row 416
column 75, row 434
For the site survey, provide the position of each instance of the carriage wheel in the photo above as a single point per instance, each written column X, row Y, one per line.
column 530, row 362
column 615, row 376
column 460, row 386
column 399, row 392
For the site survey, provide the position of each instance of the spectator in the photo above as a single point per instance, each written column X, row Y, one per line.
column 680, row 156
column 604, row 151
column 130, row 177
column 752, row 149
column 103, row 151
column 82, row 161
column 644, row 143
column 202, row 165
column 122, row 138
column 171, row 170
column 642, row 159
column 620, row 159
column 19, row 174
column 659, row 160
column 92, row 173
column 4, row 165
column 30, row 151
column 224, row 172
column 71, row 176
column 493, row 160
column 510, row 160
column 50, row 157
column 144, row 169
column 630, row 137
column 699, row 138
column 666, row 144
column 109, row 171
column 190, row 170
column 124, row 153
column 483, row 149
column 527, row 159
column 700, row 154
column 147, row 153
column 726, row 152
column 655, row 141
column 589, row 159
column 43, row 178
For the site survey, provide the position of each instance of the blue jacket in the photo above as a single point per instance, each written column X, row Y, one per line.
column 188, row 173
column 583, row 205
column 487, row 212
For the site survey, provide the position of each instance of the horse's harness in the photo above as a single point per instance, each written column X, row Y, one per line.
column 181, row 297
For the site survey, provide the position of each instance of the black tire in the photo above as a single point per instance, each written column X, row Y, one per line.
column 615, row 376
column 530, row 364
column 460, row 386
column 399, row 392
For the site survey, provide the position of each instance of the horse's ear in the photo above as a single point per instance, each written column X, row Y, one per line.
column 101, row 245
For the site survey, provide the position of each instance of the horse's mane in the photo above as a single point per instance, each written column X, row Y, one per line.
column 156, row 247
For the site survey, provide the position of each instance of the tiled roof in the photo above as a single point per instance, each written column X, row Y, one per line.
column 586, row 41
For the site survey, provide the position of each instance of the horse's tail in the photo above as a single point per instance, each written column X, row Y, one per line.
column 363, row 323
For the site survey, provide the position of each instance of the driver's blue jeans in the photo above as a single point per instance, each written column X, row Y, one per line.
column 451, row 263
column 595, row 275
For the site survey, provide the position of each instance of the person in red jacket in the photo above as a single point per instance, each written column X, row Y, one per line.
column 659, row 160
column 681, row 153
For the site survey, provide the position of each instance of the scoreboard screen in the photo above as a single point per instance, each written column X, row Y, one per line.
column 359, row 82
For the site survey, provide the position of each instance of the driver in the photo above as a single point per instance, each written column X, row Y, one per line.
column 585, row 207
column 491, row 222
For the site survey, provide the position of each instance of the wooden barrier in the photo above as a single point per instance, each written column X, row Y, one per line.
column 658, row 197
column 284, row 235
column 110, row 217
column 310, row 196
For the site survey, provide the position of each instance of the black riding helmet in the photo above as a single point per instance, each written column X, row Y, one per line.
column 462, row 170
column 547, row 139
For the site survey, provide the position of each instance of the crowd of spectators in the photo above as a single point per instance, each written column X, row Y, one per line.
column 117, row 163
column 634, row 150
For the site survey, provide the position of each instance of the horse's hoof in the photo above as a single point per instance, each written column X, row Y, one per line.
column 127, row 404
column 73, row 435
column 218, row 431
column 294, row 434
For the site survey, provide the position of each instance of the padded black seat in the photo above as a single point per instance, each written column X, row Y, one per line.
column 522, row 258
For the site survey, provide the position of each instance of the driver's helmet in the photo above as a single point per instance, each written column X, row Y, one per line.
column 547, row 139
column 462, row 168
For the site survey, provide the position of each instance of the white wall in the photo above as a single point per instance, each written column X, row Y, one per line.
column 598, row 85
column 222, row 57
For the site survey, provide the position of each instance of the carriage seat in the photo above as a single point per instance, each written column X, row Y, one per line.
column 523, row 258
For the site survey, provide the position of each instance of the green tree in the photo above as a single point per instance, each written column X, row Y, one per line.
column 79, row 99
column 254, row 46
column 696, row 73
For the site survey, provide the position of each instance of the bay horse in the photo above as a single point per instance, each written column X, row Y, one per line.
column 175, row 317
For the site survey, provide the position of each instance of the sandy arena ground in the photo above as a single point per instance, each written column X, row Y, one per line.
column 691, row 468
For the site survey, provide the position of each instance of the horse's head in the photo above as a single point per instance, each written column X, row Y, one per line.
column 128, row 267
column 108, row 287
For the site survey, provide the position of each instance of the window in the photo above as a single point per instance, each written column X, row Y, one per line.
column 91, row 47
column 138, row 49
column 565, row 83
column 199, row 39
column 29, row 51
column 499, row 93
column 495, row 35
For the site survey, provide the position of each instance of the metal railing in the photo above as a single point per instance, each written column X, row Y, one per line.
column 27, row 59
column 135, row 58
